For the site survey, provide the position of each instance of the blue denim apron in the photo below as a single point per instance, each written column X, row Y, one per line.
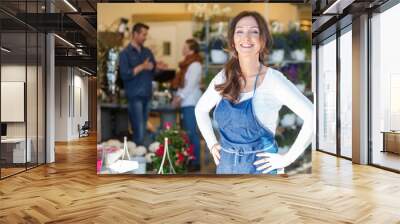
column 242, row 136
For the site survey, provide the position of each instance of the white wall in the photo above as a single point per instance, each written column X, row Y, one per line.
column 12, row 73
column 174, row 32
column 71, row 87
column 80, row 96
column 61, row 103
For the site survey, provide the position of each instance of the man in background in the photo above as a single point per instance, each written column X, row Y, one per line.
column 137, row 68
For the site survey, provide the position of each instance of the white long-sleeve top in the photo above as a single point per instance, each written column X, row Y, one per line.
column 271, row 94
column 191, row 92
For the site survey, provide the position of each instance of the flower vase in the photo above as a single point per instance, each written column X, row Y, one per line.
column 277, row 55
column 298, row 54
column 166, row 157
column 218, row 56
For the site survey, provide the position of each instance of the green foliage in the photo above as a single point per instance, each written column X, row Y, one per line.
column 179, row 149
column 279, row 41
column 286, row 135
column 304, row 75
column 209, row 77
column 299, row 40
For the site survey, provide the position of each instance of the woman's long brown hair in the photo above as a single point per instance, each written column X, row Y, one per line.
column 230, row 89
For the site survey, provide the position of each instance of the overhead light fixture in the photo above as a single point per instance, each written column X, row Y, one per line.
column 80, row 51
column 78, row 44
column 5, row 50
column 64, row 40
column 70, row 5
column 84, row 71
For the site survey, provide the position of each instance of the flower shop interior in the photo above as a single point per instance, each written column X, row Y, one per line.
column 169, row 26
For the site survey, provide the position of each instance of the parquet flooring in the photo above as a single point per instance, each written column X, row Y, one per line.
column 10, row 171
column 69, row 191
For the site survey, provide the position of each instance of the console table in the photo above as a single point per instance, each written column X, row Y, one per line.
column 13, row 150
column 391, row 141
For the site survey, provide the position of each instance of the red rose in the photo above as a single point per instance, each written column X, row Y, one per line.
column 185, row 138
column 180, row 157
column 160, row 151
column 190, row 149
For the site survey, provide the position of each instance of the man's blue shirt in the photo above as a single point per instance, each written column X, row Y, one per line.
column 140, row 84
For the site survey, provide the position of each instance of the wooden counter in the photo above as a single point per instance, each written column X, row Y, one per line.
column 391, row 141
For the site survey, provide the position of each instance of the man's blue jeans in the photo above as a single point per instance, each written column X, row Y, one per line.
column 138, row 109
column 190, row 126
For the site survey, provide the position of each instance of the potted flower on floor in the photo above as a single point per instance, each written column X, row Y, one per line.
column 180, row 151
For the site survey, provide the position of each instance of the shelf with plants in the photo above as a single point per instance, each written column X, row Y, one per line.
column 292, row 46
column 299, row 73
column 213, row 47
column 109, row 44
column 210, row 29
column 291, row 54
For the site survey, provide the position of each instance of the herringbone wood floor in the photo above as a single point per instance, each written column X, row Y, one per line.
column 69, row 191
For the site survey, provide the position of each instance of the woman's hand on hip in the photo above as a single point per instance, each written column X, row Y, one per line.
column 215, row 153
column 270, row 161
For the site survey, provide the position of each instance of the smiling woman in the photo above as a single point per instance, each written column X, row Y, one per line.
column 246, row 109
column 248, row 36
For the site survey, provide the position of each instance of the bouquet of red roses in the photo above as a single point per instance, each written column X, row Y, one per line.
column 179, row 148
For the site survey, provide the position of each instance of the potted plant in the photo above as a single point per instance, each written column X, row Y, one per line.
column 179, row 149
column 218, row 54
column 299, row 44
column 278, row 48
